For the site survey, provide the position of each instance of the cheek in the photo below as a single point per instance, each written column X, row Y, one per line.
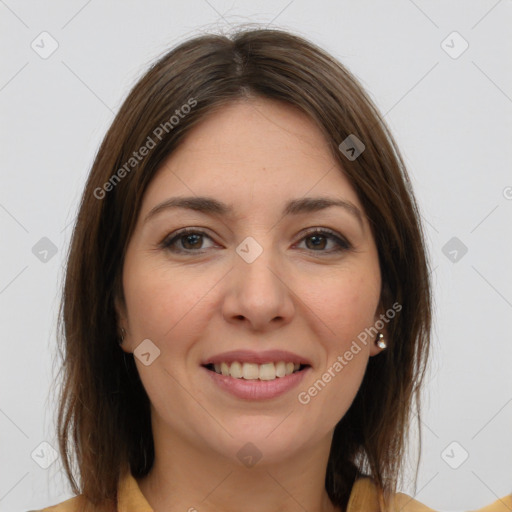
column 345, row 305
column 343, row 309
column 161, row 301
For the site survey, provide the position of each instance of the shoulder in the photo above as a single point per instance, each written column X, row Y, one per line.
column 76, row 504
column 129, row 497
column 405, row 503
column 365, row 496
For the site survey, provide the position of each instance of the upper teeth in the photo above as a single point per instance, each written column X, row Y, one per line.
column 253, row 371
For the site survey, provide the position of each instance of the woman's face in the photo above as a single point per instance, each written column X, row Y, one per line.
column 256, row 278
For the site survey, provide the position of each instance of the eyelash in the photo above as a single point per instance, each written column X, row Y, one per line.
column 168, row 242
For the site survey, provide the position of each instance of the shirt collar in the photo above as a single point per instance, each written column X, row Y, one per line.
column 130, row 497
column 363, row 498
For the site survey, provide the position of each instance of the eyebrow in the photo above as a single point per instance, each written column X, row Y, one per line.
column 211, row 206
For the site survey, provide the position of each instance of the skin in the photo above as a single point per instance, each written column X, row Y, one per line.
column 255, row 156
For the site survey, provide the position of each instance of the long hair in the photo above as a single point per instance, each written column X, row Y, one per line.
column 104, row 423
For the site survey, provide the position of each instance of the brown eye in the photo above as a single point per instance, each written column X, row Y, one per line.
column 317, row 241
column 191, row 241
column 187, row 240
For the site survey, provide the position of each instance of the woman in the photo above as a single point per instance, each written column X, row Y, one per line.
column 246, row 312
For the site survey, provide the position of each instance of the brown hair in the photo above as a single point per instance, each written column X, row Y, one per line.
column 104, row 422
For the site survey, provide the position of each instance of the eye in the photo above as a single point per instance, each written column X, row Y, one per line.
column 190, row 240
column 319, row 239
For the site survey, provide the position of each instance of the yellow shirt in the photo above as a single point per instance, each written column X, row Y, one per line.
column 364, row 498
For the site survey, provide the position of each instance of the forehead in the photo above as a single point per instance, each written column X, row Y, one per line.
column 267, row 130
column 258, row 152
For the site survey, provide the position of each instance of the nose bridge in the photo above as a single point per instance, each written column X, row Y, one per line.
column 257, row 291
column 257, row 265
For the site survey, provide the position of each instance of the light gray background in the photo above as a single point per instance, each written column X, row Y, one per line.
column 452, row 120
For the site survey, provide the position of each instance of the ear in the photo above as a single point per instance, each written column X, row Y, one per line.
column 377, row 323
column 122, row 322
column 120, row 308
column 380, row 321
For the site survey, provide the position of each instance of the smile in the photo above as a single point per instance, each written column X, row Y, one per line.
column 253, row 371
column 253, row 387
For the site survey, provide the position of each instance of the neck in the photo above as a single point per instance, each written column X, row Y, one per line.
column 190, row 477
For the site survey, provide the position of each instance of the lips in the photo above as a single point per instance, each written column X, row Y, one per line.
column 249, row 356
column 256, row 389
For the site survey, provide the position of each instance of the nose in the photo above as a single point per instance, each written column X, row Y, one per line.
column 258, row 294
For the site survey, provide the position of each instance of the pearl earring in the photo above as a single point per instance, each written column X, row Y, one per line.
column 380, row 341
